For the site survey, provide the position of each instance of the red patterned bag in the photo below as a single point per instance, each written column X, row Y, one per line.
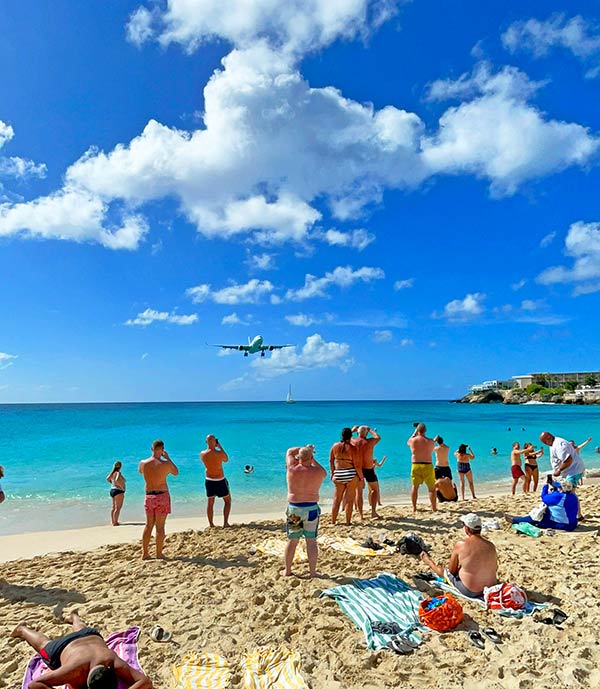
column 504, row 597
column 441, row 618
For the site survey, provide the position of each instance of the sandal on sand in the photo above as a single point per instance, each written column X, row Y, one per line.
column 476, row 639
column 399, row 646
column 558, row 616
column 159, row 634
column 492, row 635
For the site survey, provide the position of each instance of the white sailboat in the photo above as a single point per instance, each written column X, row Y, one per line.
column 289, row 399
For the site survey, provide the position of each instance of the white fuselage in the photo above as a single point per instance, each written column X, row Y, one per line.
column 255, row 345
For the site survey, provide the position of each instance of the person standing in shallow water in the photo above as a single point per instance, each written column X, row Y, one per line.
column 2, row 496
column 117, row 492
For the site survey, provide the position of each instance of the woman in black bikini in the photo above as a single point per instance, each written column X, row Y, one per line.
column 464, row 455
column 346, row 472
column 531, row 467
column 117, row 492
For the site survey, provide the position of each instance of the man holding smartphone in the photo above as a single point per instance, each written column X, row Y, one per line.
column 216, row 484
column 157, row 503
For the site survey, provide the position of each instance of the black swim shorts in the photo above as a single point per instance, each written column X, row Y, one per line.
column 443, row 472
column 217, row 489
column 370, row 475
column 52, row 650
column 441, row 497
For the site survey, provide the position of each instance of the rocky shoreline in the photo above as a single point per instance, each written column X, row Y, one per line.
column 518, row 396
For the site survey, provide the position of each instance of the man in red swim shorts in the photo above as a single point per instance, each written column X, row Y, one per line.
column 515, row 466
column 157, row 503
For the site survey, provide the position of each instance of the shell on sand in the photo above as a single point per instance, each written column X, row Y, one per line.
column 216, row 594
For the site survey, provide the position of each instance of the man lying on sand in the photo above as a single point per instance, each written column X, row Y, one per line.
column 80, row 659
column 473, row 563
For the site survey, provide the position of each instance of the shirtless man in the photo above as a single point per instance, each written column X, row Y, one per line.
column 216, row 484
column 515, row 465
column 2, row 496
column 80, row 659
column 473, row 563
column 422, row 471
column 157, row 503
column 445, row 490
column 305, row 477
column 365, row 447
column 441, row 450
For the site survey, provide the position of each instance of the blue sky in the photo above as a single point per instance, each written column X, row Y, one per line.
column 408, row 191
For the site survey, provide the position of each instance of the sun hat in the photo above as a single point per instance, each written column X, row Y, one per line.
column 471, row 520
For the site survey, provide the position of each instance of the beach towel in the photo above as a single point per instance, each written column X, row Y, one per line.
column 383, row 599
column 200, row 671
column 124, row 644
column 529, row 608
column 349, row 545
column 276, row 547
column 272, row 668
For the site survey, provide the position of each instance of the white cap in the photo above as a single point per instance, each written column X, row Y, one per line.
column 473, row 521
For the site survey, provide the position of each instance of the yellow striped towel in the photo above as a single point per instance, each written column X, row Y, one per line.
column 272, row 668
column 276, row 547
column 349, row 545
column 202, row 671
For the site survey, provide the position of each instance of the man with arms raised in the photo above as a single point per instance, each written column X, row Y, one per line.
column 215, row 483
column 366, row 447
column 422, row 471
column 304, row 479
column 564, row 458
column 473, row 564
column 80, row 660
column 157, row 503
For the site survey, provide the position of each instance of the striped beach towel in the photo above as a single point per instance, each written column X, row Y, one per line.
column 124, row 644
column 385, row 598
column 529, row 608
column 349, row 545
column 272, row 668
column 202, row 671
column 276, row 547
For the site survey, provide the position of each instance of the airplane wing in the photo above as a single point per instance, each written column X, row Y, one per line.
column 270, row 348
column 240, row 348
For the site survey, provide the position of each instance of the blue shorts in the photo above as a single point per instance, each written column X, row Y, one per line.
column 302, row 519
column 573, row 480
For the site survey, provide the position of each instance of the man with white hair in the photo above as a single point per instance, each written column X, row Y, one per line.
column 564, row 458
column 304, row 479
column 366, row 447
column 473, row 563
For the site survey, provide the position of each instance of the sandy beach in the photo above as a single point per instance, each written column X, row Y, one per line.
column 218, row 595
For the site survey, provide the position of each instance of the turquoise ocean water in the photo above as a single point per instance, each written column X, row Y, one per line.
column 56, row 457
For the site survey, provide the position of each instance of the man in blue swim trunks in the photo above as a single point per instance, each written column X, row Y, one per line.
column 305, row 477
column 80, row 660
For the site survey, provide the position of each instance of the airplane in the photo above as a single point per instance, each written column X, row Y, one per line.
column 253, row 347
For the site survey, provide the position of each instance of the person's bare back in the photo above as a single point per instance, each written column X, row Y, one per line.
column 213, row 462
column 441, row 455
column 421, row 448
column 155, row 472
column 477, row 562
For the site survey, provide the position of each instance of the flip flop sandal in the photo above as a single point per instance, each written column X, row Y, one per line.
column 476, row 639
column 492, row 635
column 399, row 647
column 558, row 616
column 544, row 620
column 425, row 576
column 157, row 633
column 409, row 642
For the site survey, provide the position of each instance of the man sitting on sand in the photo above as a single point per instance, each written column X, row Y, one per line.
column 473, row 563
column 305, row 477
column 446, row 490
column 422, row 471
column 157, row 503
column 80, row 660
column 562, row 508
column 365, row 447
column 215, row 482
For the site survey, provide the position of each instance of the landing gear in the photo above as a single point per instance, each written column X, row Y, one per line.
column 262, row 354
column 245, row 353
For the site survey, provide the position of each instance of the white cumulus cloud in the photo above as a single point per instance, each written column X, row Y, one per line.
column 577, row 35
column 302, row 319
column 15, row 166
column 582, row 244
column 232, row 319
column 6, row 360
column 250, row 292
column 380, row 336
column 341, row 276
column 356, row 239
column 262, row 261
column 403, row 284
column 465, row 309
column 150, row 316
column 546, row 240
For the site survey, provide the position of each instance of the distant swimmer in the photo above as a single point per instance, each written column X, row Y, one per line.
column 117, row 491
column 2, row 496
column 597, row 450
column 494, row 451
column 248, row 469
column 157, row 503
column 216, row 484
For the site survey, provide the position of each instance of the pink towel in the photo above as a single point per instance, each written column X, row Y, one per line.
column 122, row 643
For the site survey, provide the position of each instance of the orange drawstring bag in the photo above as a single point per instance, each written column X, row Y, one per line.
column 444, row 616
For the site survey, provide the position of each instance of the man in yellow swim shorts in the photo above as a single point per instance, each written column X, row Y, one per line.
column 422, row 471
